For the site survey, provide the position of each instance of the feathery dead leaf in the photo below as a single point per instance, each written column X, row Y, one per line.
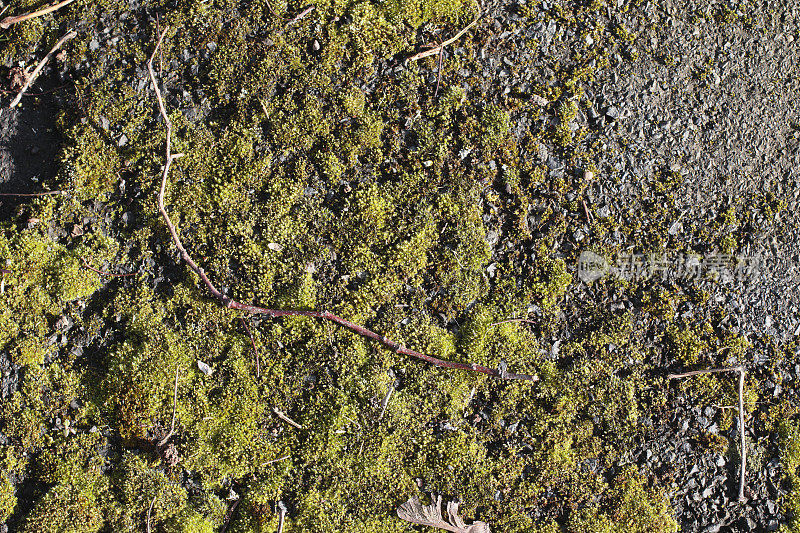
column 431, row 515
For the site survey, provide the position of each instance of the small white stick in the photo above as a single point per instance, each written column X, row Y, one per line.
column 35, row 74
column 149, row 510
column 286, row 419
column 437, row 49
column 10, row 21
column 275, row 460
column 174, row 408
column 742, row 472
column 281, row 515
column 385, row 401
column 740, row 370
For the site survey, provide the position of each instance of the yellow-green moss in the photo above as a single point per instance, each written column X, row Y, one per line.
column 376, row 216
column 789, row 432
column 70, row 507
column 8, row 499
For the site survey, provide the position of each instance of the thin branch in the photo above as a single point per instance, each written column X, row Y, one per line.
column 586, row 211
column 281, row 515
column 742, row 472
column 323, row 315
column 439, row 72
column 10, row 21
column 149, row 510
column 437, row 49
column 255, row 350
column 740, row 370
column 275, row 460
column 230, row 515
column 286, row 419
column 69, row 35
column 707, row 371
column 513, row 320
column 31, row 194
column 174, row 409
column 385, row 402
column 301, row 16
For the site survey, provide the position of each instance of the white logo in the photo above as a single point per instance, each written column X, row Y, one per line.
column 591, row 266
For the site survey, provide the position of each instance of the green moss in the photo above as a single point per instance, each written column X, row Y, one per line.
column 313, row 182
column 563, row 133
column 92, row 162
column 45, row 277
column 8, row 499
column 790, row 459
column 549, row 281
column 353, row 102
column 687, row 344
column 495, row 123
column 71, row 507
column 631, row 506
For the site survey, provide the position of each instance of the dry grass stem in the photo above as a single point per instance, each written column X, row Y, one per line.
column 385, row 402
column 35, row 74
column 31, row 194
column 286, row 419
column 174, row 408
column 253, row 343
column 10, row 21
column 301, row 16
column 281, row 515
column 150, row 510
column 527, row 321
column 437, row 49
column 279, row 459
column 740, row 370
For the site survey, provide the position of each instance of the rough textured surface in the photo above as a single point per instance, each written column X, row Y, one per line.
column 325, row 170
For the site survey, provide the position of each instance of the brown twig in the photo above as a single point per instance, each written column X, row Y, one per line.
column 740, row 370
column 230, row 516
column 31, row 194
column 35, row 74
column 255, row 350
column 437, row 49
column 10, row 21
column 274, row 313
column 102, row 273
column 301, row 16
column 174, row 409
column 586, row 211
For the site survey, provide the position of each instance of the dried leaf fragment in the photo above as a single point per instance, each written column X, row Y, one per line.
column 204, row 368
column 431, row 515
